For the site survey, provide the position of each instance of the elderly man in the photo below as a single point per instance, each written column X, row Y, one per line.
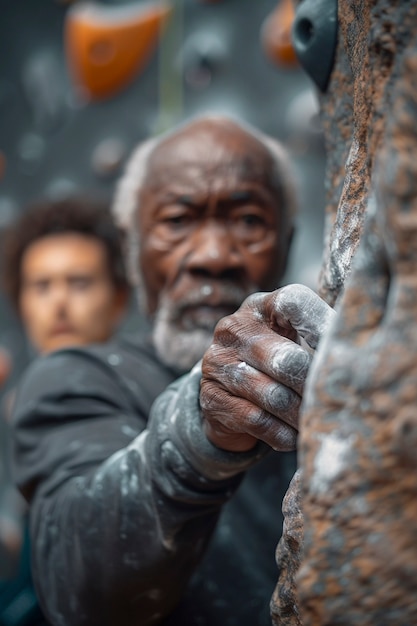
column 126, row 486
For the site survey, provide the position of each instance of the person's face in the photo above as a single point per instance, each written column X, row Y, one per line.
column 211, row 229
column 67, row 296
column 209, row 218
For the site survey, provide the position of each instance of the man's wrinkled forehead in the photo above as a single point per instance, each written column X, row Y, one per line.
column 210, row 150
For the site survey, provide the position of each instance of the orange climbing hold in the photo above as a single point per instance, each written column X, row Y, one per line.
column 107, row 46
column 276, row 35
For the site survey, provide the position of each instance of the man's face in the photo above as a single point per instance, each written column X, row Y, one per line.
column 67, row 296
column 211, row 233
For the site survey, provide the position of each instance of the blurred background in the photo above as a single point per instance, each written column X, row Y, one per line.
column 71, row 109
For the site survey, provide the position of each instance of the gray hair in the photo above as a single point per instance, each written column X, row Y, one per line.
column 126, row 199
column 126, row 203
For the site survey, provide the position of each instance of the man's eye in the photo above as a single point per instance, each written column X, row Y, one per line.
column 81, row 283
column 250, row 226
column 40, row 286
column 250, row 219
column 173, row 223
column 177, row 220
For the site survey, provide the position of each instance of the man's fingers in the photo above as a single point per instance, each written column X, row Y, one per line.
column 232, row 415
column 241, row 379
column 300, row 308
column 254, row 371
column 279, row 358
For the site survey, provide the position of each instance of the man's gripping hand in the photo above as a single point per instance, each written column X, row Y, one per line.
column 255, row 370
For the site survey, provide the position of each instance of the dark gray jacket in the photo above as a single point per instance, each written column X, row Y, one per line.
column 124, row 498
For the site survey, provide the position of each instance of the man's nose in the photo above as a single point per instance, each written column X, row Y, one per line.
column 59, row 296
column 213, row 251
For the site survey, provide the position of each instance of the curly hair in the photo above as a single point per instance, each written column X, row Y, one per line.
column 74, row 214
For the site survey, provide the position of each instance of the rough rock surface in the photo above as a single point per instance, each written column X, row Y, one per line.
column 359, row 424
column 284, row 603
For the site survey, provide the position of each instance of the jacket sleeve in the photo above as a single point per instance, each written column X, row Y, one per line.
column 122, row 508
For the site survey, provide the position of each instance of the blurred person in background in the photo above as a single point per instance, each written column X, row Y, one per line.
column 63, row 271
column 130, row 514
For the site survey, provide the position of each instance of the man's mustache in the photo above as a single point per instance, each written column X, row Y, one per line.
column 226, row 295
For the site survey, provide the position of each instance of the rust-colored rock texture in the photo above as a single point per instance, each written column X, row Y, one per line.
column 284, row 602
column 358, row 439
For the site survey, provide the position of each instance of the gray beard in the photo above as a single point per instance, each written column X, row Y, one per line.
column 180, row 348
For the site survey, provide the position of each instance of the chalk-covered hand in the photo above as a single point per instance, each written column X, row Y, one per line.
column 254, row 371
